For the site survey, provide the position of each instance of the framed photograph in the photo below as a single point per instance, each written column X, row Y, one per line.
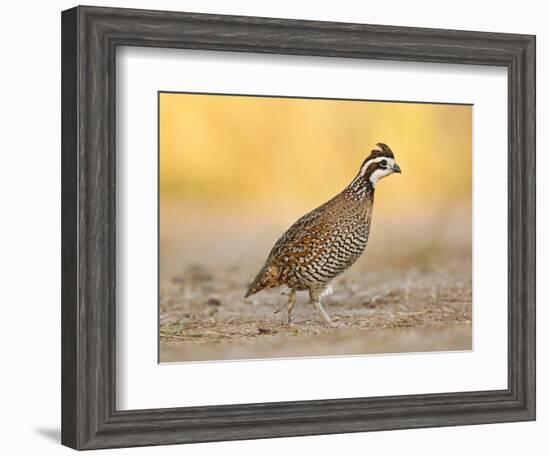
column 282, row 227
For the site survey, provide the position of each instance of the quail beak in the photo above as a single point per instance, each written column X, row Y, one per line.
column 396, row 168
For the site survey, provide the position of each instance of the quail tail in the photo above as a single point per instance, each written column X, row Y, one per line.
column 266, row 278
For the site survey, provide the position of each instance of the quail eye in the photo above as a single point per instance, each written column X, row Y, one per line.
column 384, row 163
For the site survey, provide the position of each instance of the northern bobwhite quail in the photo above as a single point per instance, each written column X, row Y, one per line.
column 328, row 240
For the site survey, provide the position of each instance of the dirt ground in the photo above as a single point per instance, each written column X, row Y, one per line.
column 392, row 300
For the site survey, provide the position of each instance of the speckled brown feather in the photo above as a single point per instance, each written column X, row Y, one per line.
column 326, row 241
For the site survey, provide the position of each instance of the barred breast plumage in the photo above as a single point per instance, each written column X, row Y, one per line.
column 328, row 240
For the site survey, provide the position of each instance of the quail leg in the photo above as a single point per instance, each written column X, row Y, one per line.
column 286, row 308
column 287, row 314
column 315, row 297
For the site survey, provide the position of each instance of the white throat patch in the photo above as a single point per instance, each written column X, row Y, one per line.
column 379, row 173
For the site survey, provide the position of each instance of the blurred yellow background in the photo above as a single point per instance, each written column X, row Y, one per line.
column 237, row 171
column 217, row 150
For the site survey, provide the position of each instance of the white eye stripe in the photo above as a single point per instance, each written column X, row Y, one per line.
column 390, row 161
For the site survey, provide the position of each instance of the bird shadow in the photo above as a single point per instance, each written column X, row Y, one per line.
column 52, row 434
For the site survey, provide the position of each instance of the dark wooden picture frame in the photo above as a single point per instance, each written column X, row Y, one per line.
column 90, row 37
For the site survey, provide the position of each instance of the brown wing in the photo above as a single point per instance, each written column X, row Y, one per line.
column 300, row 240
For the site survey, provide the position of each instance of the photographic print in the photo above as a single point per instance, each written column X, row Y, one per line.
column 307, row 227
column 299, row 205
